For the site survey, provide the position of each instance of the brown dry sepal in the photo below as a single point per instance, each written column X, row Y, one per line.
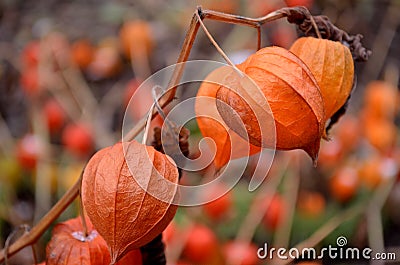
column 293, row 96
column 301, row 16
column 229, row 145
column 126, row 215
column 332, row 66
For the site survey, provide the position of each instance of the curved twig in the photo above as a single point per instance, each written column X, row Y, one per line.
column 24, row 227
column 217, row 47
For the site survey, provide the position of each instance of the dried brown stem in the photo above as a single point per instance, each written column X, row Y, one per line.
column 74, row 80
column 35, row 260
column 80, row 90
column 258, row 38
column 82, row 211
column 11, row 236
column 301, row 17
column 297, row 15
column 315, row 27
column 219, row 49
column 146, row 126
column 183, row 56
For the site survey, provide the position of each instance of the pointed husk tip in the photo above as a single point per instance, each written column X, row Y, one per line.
column 313, row 151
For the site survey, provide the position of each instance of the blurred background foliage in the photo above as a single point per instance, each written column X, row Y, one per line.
column 66, row 76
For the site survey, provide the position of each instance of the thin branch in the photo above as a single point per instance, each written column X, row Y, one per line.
column 59, row 91
column 147, row 125
column 156, row 97
column 74, row 80
column 178, row 71
column 81, row 90
column 35, row 260
column 219, row 49
column 82, row 212
column 55, row 83
column 240, row 20
column 259, row 37
column 315, row 27
column 10, row 237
